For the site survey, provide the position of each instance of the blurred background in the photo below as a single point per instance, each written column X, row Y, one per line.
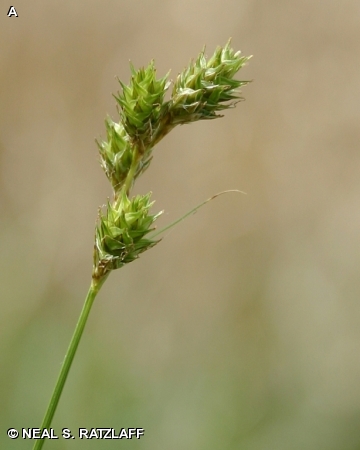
column 241, row 329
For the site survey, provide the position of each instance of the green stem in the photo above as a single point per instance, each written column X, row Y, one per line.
column 131, row 173
column 93, row 291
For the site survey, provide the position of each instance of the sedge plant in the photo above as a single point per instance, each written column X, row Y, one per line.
column 125, row 226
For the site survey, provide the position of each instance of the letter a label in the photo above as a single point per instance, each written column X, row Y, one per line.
column 12, row 12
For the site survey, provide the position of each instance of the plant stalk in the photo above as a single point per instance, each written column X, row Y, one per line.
column 129, row 180
column 92, row 293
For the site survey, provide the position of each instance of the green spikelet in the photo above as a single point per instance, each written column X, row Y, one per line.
column 141, row 104
column 115, row 153
column 207, row 86
column 121, row 232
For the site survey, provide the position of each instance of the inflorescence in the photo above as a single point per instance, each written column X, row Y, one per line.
column 199, row 92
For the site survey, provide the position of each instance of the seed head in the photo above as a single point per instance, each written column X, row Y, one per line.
column 120, row 233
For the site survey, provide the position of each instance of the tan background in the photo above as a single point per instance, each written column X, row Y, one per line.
column 241, row 329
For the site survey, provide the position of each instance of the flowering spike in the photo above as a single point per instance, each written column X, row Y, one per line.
column 141, row 103
column 121, row 231
column 200, row 91
column 207, row 86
